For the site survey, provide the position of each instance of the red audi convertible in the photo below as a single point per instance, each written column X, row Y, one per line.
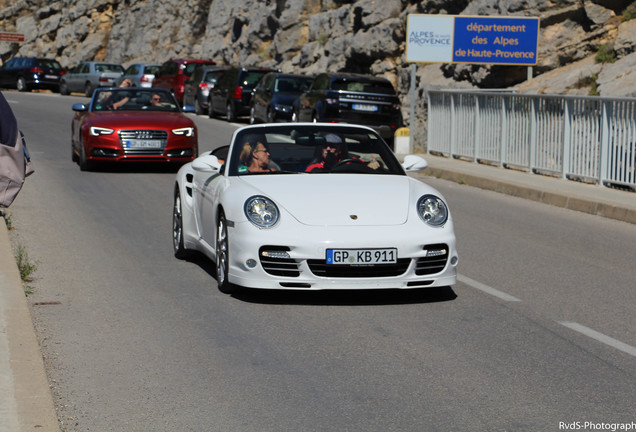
column 132, row 125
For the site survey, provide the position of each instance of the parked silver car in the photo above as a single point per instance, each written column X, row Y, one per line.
column 197, row 88
column 87, row 76
column 140, row 74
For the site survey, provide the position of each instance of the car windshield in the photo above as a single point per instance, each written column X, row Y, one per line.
column 189, row 68
column 105, row 67
column 310, row 149
column 364, row 86
column 53, row 64
column 251, row 78
column 291, row 84
column 133, row 99
column 151, row 69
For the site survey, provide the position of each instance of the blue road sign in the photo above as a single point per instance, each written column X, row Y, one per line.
column 472, row 39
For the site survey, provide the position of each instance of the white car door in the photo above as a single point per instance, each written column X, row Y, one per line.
column 208, row 182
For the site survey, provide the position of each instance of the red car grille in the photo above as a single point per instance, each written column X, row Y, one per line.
column 143, row 141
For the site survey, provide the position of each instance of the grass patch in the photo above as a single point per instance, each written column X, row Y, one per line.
column 605, row 54
column 629, row 13
column 588, row 81
column 26, row 267
column 323, row 38
column 7, row 219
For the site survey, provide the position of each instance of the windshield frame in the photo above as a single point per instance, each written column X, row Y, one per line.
column 294, row 147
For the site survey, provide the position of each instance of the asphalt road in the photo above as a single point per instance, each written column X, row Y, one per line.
column 539, row 332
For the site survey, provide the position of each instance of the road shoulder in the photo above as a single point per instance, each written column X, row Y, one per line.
column 27, row 402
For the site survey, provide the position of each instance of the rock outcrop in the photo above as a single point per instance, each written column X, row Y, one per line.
column 310, row 36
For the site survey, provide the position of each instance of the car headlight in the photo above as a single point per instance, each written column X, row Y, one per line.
column 186, row 131
column 432, row 210
column 261, row 211
column 97, row 131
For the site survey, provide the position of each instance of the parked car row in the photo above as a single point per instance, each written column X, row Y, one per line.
column 262, row 94
column 267, row 95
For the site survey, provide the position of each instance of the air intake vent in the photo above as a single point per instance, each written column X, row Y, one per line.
column 434, row 261
column 275, row 260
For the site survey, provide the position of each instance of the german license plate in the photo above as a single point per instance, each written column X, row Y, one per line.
column 365, row 107
column 362, row 256
column 53, row 77
column 140, row 143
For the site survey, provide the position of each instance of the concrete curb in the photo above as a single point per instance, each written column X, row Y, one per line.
column 26, row 401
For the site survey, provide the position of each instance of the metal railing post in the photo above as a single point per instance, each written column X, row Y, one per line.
column 567, row 138
column 605, row 142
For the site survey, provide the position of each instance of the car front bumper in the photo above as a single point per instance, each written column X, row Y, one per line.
column 427, row 257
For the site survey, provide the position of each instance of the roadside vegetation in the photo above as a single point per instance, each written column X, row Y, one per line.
column 26, row 266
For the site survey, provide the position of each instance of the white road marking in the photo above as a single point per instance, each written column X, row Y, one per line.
column 485, row 288
column 600, row 337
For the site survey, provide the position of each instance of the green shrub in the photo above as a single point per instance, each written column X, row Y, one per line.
column 629, row 13
column 588, row 81
column 605, row 54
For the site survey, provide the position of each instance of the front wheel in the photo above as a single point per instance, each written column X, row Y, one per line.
column 88, row 90
column 229, row 112
column 180, row 251
column 211, row 112
column 64, row 89
column 271, row 117
column 21, row 85
column 84, row 163
column 252, row 116
column 223, row 257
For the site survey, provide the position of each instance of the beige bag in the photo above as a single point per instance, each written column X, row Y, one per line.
column 15, row 166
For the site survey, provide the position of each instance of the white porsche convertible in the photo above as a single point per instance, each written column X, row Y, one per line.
column 311, row 207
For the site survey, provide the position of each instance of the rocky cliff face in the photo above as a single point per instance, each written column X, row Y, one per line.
column 585, row 46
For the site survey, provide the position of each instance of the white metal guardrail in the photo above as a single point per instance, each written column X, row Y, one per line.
column 589, row 139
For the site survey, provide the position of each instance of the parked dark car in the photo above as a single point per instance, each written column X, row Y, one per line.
column 173, row 74
column 232, row 94
column 351, row 98
column 88, row 76
column 27, row 73
column 197, row 88
column 274, row 96
column 140, row 74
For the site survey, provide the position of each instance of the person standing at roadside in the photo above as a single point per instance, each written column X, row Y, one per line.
column 8, row 124
column 15, row 163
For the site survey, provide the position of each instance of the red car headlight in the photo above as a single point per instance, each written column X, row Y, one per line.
column 186, row 131
column 97, row 131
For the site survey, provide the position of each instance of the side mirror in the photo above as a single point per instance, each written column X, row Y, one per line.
column 206, row 163
column 80, row 107
column 413, row 163
column 189, row 108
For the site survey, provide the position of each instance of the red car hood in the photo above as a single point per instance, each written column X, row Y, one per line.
column 139, row 119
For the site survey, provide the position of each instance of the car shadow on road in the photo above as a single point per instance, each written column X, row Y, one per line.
column 136, row 168
column 371, row 297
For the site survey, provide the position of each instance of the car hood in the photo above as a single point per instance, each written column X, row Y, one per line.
column 338, row 199
column 139, row 119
